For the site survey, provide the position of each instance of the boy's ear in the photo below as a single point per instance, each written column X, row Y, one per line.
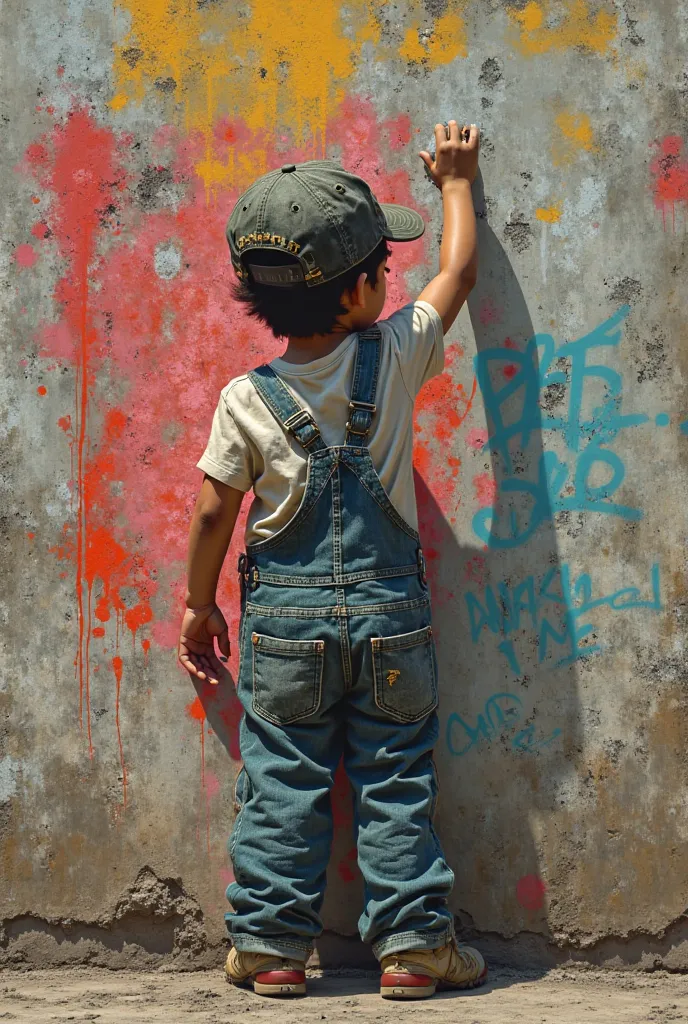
column 354, row 297
column 358, row 294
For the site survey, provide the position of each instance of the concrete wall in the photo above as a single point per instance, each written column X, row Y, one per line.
column 551, row 454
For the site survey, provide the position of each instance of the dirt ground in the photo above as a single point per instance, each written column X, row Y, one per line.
column 559, row 997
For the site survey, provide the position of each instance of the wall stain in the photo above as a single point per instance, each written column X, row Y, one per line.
column 571, row 24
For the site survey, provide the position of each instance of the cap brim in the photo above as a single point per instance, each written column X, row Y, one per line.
column 403, row 225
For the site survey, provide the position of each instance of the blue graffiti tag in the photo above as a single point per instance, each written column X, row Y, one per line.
column 523, row 505
column 553, row 608
column 502, row 714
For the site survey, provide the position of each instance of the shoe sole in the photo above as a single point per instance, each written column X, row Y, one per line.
column 276, row 991
column 425, row 991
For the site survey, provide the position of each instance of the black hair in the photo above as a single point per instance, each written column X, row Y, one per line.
column 301, row 311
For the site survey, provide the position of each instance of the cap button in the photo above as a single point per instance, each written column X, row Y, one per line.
column 288, row 168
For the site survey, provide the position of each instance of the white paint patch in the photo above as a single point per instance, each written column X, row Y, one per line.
column 9, row 766
column 580, row 214
column 167, row 260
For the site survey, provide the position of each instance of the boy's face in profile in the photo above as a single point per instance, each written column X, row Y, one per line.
column 366, row 302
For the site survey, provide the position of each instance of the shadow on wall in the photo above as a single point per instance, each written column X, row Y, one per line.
column 510, row 715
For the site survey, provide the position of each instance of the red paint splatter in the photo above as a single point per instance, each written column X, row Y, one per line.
column 78, row 162
column 485, row 488
column 25, row 255
column 98, row 632
column 343, row 817
column 399, row 131
column 41, row 390
column 40, row 230
column 670, row 171
column 117, row 669
column 347, row 869
column 476, row 438
column 31, row 536
column 530, row 892
column 510, row 370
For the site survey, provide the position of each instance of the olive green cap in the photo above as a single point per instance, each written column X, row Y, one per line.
column 326, row 217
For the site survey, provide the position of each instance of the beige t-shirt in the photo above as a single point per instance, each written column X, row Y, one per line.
column 248, row 448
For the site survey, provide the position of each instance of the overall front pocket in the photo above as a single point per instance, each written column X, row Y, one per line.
column 405, row 674
column 287, row 677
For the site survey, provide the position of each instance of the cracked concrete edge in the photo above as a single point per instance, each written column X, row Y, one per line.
column 175, row 941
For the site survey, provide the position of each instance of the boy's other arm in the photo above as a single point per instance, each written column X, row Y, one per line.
column 212, row 526
column 453, row 171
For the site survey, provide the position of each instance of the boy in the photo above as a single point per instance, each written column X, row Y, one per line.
column 337, row 654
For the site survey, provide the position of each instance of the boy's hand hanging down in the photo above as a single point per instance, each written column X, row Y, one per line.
column 453, row 171
column 197, row 654
column 212, row 526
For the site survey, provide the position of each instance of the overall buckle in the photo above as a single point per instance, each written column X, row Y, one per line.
column 300, row 419
column 355, row 407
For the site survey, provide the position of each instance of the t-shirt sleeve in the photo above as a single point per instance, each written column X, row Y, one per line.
column 418, row 340
column 228, row 456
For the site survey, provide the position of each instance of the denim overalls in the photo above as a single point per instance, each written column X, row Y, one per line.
column 337, row 658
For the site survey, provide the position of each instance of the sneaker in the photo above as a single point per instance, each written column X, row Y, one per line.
column 270, row 975
column 417, row 973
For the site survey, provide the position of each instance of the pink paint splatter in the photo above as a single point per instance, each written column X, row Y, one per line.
column 670, row 171
column 40, row 230
column 476, row 569
column 399, row 131
column 212, row 784
column 226, row 876
column 477, row 438
column 490, row 313
column 25, row 255
column 485, row 488
column 530, row 892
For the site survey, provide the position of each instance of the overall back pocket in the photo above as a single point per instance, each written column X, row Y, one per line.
column 287, row 677
column 405, row 674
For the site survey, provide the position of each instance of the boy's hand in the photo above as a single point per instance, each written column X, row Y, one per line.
column 456, row 154
column 197, row 654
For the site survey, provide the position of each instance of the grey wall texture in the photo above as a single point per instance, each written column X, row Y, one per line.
column 550, row 455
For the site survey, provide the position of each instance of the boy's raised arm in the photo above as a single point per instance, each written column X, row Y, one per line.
column 212, row 526
column 453, row 171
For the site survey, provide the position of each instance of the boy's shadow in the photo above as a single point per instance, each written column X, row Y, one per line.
column 509, row 722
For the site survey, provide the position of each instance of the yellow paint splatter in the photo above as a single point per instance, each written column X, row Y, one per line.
column 119, row 101
column 549, row 214
column 575, row 133
column 439, row 43
column 270, row 67
column 538, row 32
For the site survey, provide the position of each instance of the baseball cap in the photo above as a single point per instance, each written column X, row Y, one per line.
column 325, row 217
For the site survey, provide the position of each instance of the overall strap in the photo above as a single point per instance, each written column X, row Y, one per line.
column 296, row 421
column 363, row 387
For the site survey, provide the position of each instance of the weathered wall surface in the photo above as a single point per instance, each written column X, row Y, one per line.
column 551, row 454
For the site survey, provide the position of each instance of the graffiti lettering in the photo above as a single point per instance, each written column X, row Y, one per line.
column 501, row 717
column 523, row 505
column 554, row 608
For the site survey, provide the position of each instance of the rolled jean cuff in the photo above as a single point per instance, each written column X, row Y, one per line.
column 273, row 947
column 402, row 941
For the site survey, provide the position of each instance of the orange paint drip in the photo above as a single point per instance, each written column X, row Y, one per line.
column 117, row 669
